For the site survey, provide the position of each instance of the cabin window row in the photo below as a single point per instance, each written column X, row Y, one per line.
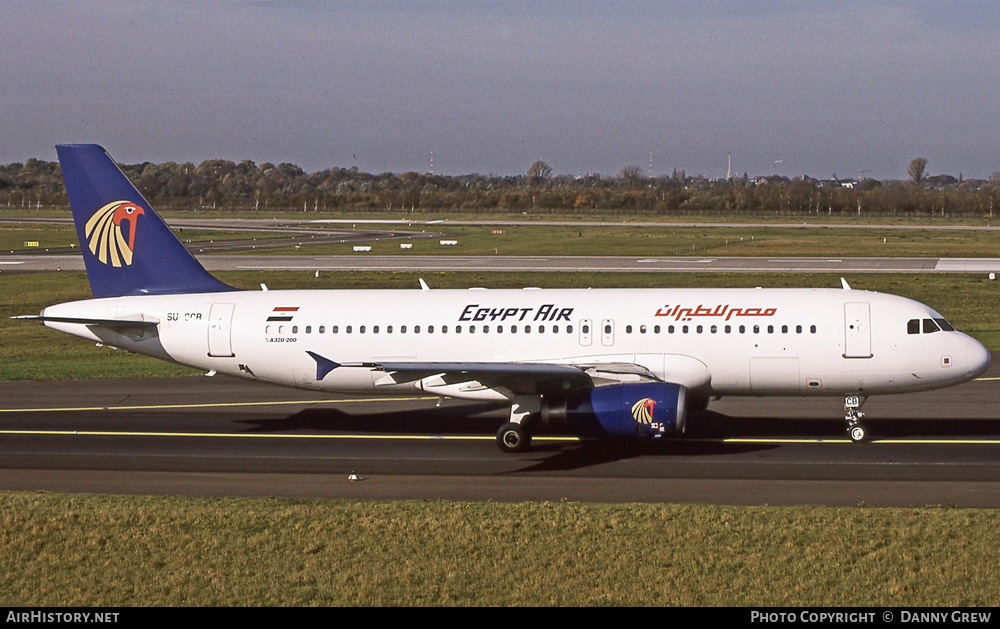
column 430, row 329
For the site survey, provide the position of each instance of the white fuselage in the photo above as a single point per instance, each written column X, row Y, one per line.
column 714, row 341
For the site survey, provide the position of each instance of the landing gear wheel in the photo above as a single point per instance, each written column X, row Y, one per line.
column 857, row 433
column 513, row 438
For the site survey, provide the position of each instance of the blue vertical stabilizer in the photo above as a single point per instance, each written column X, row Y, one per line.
column 127, row 248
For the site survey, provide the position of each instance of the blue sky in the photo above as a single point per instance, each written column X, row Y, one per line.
column 793, row 88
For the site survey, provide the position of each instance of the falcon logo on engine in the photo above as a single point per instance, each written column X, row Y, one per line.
column 642, row 411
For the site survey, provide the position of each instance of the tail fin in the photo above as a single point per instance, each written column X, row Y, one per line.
column 126, row 246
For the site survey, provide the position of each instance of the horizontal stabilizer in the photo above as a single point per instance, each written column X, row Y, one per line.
column 107, row 323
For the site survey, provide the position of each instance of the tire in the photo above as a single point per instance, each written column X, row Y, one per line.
column 512, row 438
column 857, row 433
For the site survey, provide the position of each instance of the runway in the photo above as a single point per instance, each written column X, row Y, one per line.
column 34, row 263
column 217, row 436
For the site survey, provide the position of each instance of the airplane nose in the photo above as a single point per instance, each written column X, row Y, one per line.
column 977, row 358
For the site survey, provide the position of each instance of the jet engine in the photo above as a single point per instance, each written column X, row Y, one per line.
column 649, row 409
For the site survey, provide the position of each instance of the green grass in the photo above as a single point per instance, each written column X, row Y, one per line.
column 630, row 240
column 615, row 239
column 124, row 551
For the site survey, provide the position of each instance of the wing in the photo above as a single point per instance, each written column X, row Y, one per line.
column 519, row 378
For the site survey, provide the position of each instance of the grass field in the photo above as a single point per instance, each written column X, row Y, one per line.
column 138, row 551
column 628, row 240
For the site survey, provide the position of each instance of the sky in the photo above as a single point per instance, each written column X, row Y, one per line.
column 784, row 87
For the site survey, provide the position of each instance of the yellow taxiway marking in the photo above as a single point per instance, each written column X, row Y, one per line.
column 146, row 407
column 113, row 433
column 384, row 437
column 872, row 441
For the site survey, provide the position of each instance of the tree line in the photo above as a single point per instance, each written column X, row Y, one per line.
column 247, row 186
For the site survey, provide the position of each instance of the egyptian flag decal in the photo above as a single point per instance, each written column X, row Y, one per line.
column 283, row 313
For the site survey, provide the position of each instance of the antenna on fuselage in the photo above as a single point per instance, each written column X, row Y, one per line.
column 844, row 283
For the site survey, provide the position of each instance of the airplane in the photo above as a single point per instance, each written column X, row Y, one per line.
column 594, row 362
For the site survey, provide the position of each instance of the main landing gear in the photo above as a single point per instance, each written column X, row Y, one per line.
column 853, row 416
column 514, row 435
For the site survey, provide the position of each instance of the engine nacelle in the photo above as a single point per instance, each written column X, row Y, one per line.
column 621, row 410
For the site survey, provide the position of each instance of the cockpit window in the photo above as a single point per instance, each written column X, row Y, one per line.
column 944, row 325
column 928, row 326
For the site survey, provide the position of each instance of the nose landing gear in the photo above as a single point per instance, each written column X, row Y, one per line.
column 853, row 416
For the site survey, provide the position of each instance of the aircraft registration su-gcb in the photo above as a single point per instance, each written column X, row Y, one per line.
column 593, row 362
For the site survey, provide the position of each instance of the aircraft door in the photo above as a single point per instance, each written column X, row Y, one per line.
column 607, row 332
column 586, row 332
column 857, row 331
column 220, row 330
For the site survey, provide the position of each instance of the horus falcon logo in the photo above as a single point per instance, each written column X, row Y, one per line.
column 104, row 232
column 642, row 411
